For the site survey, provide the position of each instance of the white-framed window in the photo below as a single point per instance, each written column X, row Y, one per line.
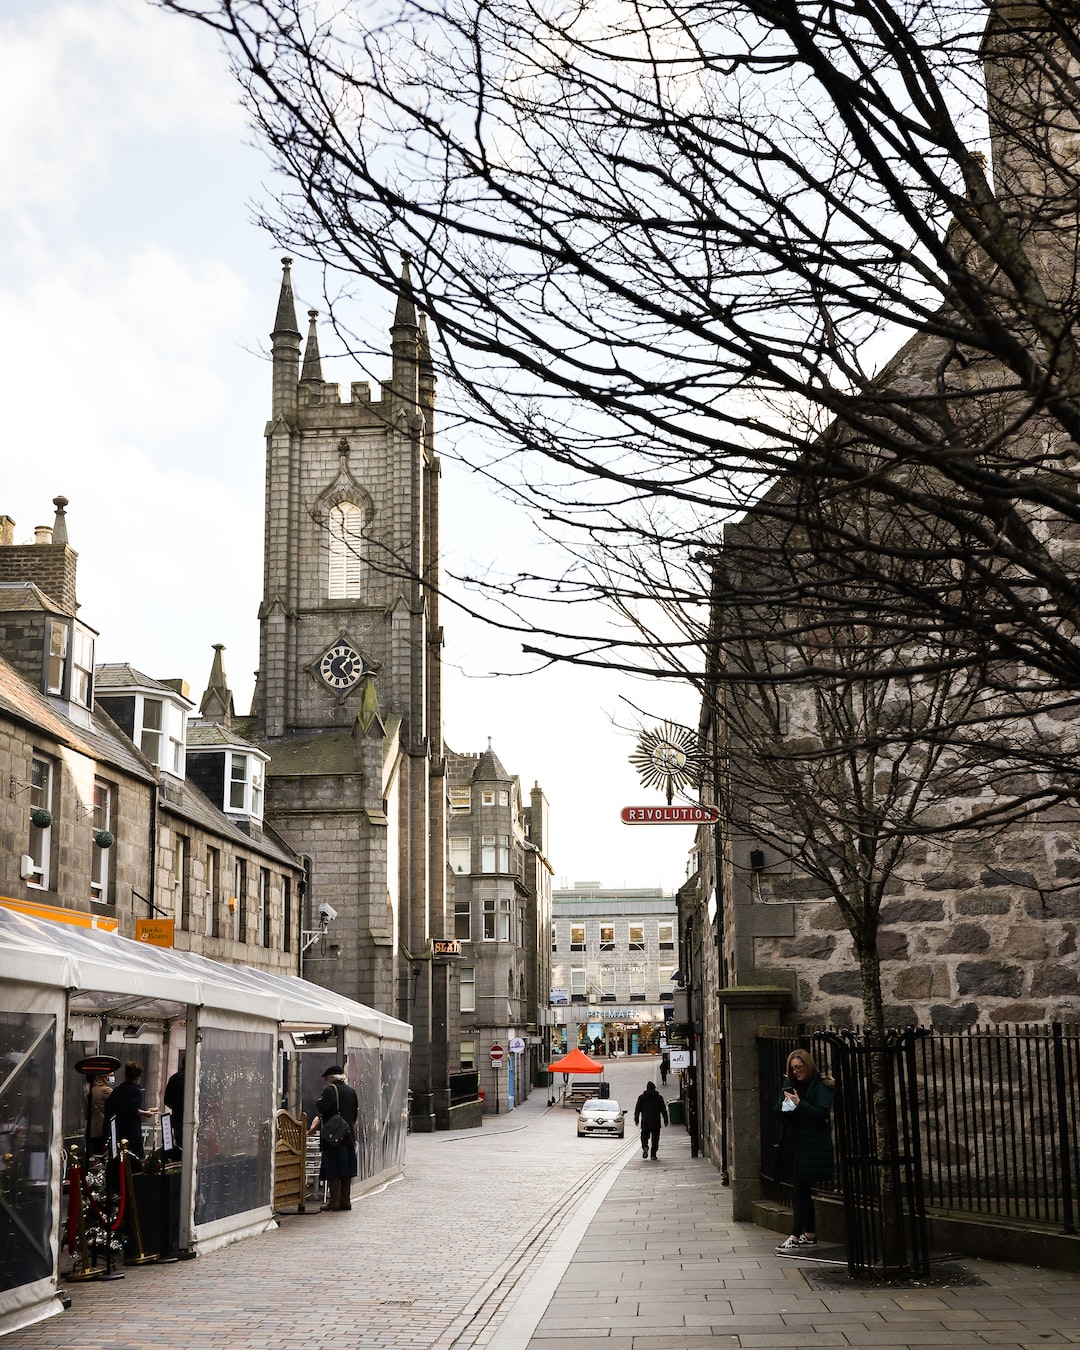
column 181, row 879
column 521, row 926
column 503, row 797
column 43, row 796
column 495, row 853
column 346, row 542
column 467, row 988
column 58, row 653
column 637, row 984
column 467, row 1054
column 497, row 920
column 460, row 853
column 463, row 920
column 667, row 986
column 577, row 937
column 150, row 732
column 578, row 992
column 487, row 797
column 554, row 938
column 238, row 781
column 607, row 984
column 460, row 800
column 244, row 788
column 637, row 937
column 101, row 870
column 607, row 937
column 666, row 934
column 82, row 666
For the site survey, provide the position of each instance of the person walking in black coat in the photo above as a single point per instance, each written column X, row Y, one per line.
column 649, row 1111
column 805, row 1156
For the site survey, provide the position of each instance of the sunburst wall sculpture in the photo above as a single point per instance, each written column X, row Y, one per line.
column 668, row 758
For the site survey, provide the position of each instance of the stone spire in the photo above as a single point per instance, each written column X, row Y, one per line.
column 217, row 701
column 285, row 318
column 312, row 371
column 404, row 342
column 285, row 346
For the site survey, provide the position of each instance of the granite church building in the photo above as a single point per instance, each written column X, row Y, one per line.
column 347, row 700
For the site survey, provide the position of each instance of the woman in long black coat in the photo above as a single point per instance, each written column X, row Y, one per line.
column 806, row 1149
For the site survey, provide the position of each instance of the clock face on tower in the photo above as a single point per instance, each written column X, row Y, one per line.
column 341, row 667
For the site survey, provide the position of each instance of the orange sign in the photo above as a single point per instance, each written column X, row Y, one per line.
column 158, row 932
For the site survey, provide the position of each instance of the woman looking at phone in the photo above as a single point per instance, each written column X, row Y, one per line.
column 805, row 1156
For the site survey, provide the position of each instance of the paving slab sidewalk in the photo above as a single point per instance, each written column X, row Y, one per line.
column 661, row 1265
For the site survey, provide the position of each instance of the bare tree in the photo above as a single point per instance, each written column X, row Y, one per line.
column 666, row 247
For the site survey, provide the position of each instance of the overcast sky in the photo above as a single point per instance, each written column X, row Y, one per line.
column 136, row 299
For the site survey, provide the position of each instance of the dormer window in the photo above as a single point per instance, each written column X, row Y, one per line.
column 70, row 661
column 160, row 732
column 245, row 785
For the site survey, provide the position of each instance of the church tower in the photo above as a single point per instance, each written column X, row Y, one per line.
column 348, row 696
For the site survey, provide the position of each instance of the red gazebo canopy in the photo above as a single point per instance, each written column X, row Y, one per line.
column 577, row 1061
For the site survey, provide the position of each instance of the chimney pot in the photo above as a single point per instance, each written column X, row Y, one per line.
column 42, row 534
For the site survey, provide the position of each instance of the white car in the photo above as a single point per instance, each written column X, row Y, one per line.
column 601, row 1115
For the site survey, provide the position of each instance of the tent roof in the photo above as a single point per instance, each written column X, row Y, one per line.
column 105, row 972
column 577, row 1061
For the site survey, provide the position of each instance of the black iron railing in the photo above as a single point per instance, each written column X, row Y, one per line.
column 992, row 1113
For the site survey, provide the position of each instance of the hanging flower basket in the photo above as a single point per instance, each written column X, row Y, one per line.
column 40, row 818
column 104, row 839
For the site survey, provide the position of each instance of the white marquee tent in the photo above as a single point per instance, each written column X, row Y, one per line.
column 65, row 992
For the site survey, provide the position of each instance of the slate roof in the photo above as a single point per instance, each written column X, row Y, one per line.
column 16, row 596
column 190, row 803
column 101, row 740
column 490, row 768
column 112, row 677
column 208, row 735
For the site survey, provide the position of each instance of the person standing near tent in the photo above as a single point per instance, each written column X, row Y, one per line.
column 339, row 1160
column 649, row 1110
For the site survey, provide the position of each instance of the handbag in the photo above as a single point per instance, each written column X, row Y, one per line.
column 336, row 1129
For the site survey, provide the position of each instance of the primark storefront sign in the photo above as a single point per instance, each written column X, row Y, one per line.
column 589, row 1012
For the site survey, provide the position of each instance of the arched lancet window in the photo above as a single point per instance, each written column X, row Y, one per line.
column 346, row 545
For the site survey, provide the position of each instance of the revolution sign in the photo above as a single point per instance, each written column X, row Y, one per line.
column 670, row 815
